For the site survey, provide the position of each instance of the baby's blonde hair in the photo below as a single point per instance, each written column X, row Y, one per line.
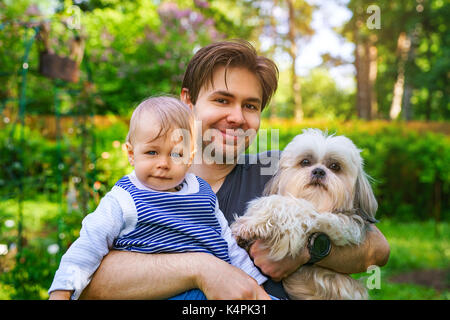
column 170, row 113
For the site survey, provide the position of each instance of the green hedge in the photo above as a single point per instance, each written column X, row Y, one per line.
column 410, row 167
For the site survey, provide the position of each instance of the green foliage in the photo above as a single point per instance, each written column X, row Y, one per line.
column 425, row 23
column 322, row 98
column 134, row 49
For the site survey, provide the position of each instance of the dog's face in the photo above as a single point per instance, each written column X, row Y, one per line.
column 325, row 170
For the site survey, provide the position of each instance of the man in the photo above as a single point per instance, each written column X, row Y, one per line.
column 227, row 85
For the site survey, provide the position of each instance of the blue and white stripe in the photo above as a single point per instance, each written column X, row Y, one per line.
column 172, row 222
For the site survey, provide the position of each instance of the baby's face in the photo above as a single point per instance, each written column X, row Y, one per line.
column 160, row 162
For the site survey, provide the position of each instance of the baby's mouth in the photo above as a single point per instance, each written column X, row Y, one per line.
column 160, row 177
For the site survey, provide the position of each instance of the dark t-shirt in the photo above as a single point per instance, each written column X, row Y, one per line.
column 245, row 183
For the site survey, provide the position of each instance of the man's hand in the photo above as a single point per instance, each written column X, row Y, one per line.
column 277, row 270
column 219, row 280
column 60, row 295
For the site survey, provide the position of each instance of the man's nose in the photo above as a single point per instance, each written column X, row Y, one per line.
column 236, row 116
column 318, row 173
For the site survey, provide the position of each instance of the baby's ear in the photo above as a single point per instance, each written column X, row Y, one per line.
column 130, row 153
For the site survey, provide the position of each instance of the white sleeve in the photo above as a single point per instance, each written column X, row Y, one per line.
column 238, row 256
column 78, row 264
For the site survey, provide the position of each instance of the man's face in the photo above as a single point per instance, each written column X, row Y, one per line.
column 230, row 113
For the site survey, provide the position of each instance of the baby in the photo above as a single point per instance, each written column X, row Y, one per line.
column 157, row 208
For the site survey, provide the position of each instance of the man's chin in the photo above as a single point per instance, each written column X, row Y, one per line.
column 223, row 154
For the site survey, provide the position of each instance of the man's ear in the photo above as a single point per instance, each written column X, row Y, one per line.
column 185, row 97
column 130, row 153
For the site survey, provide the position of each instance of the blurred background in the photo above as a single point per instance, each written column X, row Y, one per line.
column 71, row 73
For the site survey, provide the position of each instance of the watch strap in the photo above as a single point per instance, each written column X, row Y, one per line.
column 314, row 255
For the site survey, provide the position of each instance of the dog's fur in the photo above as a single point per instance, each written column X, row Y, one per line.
column 297, row 203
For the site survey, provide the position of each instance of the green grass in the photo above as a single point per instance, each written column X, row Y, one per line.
column 414, row 246
column 35, row 213
column 403, row 291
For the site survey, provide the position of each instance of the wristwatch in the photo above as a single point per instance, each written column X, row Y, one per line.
column 319, row 246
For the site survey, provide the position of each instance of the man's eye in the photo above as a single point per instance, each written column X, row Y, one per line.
column 221, row 100
column 251, row 107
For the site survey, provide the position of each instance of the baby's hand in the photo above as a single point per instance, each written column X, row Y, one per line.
column 60, row 295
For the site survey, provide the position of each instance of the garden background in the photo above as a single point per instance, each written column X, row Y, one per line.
column 382, row 79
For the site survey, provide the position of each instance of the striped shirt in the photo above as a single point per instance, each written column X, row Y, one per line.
column 170, row 222
column 129, row 217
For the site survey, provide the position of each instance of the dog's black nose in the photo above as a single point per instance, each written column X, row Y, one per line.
column 318, row 173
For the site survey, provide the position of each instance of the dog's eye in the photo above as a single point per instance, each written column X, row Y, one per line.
column 335, row 166
column 305, row 163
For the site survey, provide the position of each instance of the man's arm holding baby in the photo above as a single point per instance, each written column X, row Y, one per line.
column 344, row 259
column 130, row 275
column 160, row 276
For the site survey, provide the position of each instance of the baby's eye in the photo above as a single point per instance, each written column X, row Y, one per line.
column 176, row 155
column 152, row 153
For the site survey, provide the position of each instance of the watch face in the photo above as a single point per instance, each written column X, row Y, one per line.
column 322, row 244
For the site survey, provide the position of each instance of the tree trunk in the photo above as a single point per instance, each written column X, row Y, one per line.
column 361, row 91
column 373, row 70
column 403, row 47
column 406, row 105
column 366, row 66
column 293, row 52
column 362, row 65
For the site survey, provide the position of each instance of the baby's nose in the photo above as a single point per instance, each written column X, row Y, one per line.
column 163, row 163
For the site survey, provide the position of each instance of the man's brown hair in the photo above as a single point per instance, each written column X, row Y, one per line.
column 233, row 53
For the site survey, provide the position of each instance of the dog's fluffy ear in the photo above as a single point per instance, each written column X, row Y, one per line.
column 273, row 186
column 364, row 198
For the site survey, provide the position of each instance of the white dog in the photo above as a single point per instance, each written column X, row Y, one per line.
column 320, row 186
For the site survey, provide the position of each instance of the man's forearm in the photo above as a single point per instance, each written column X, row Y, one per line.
column 131, row 275
column 355, row 259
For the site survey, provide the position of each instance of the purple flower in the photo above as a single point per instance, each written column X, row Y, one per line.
column 209, row 22
column 201, row 4
column 182, row 13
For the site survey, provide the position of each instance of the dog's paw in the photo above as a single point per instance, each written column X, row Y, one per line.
column 281, row 221
column 342, row 229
